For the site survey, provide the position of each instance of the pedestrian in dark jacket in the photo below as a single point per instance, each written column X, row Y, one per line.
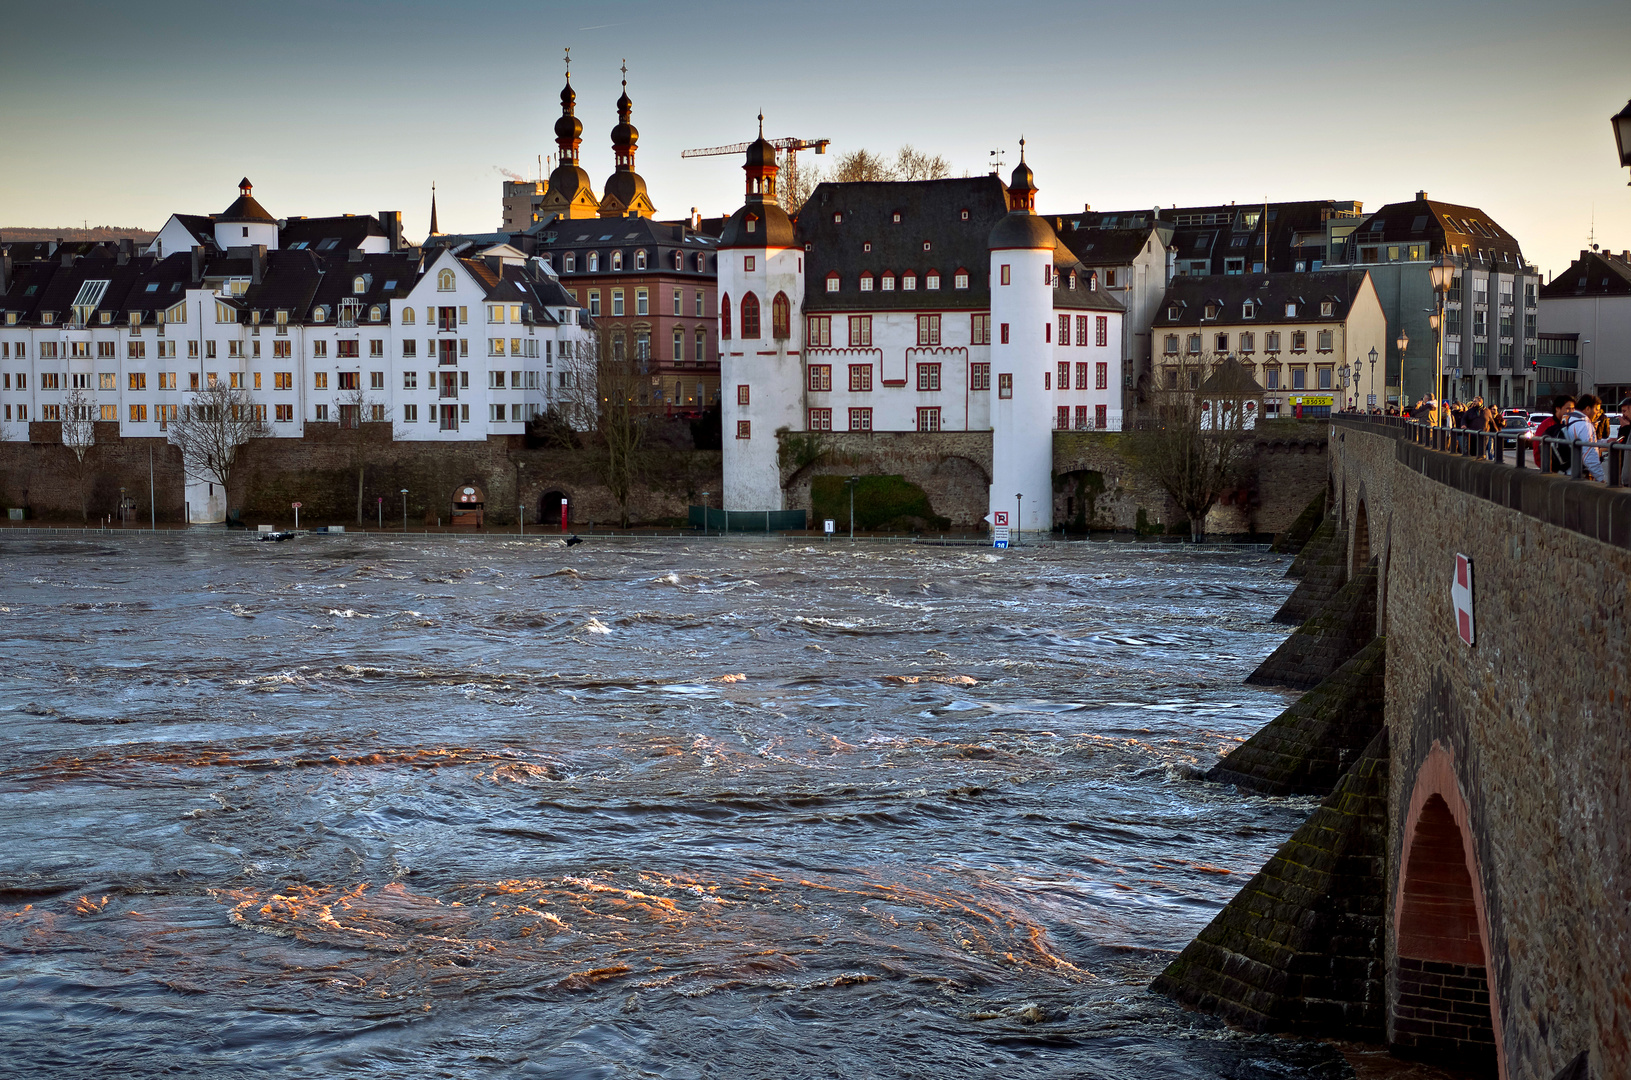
column 1552, row 427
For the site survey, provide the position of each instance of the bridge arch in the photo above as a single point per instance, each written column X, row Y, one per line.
column 1444, row 1006
column 1361, row 536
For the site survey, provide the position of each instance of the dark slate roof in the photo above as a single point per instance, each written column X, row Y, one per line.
column 29, row 283
column 1020, row 230
column 387, row 277
column 930, row 211
column 558, row 236
column 1077, row 287
column 771, row 227
column 162, row 284
column 1230, row 377
column 202, row 226
column 289, row 283
column 327, row 234
column 1106, row 247
column 1296, row 230
column 1594, row 273
column 1270, row 292
column 245, row 208
column 1439, row 225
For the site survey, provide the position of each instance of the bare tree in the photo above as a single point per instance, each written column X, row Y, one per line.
column 210, row 430
column 1195, row 438
column 79, row 436
column 353, row 409
column 623, row 385
column 909, row 163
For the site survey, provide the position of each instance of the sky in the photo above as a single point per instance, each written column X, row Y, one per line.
column 122, row 113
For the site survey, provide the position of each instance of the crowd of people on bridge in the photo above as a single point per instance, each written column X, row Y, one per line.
column 1575, row 421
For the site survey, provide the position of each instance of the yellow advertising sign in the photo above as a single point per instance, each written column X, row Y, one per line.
column 1314, row 399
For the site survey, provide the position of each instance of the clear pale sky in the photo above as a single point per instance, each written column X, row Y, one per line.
column 121, row 113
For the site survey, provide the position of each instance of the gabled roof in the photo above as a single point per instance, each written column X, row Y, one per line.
column 1108, row 247
column 1230, row 378
column 1268, row 292
column 1464, row 230
column 1594, row 273
column 327, row 234
column 1296, row 230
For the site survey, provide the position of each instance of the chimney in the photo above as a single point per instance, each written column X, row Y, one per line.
column 696, row 220
column 354, row 255
column 198, row 264
column 392, row 221
column 1087, row 208
column 126, row 249
column 1421, row 196
column 257, row 263
column 67, row 257
column 5, row 271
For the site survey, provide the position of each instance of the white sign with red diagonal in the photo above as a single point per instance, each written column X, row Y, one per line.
column 1461, row 598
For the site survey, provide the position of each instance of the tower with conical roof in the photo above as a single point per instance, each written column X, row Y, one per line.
column 570, row 193
column 245, row 223
column 761, row 330
column 1022, row 356
column 434, row 229
column 626, row 190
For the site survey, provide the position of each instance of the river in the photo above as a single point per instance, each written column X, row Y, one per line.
column 448, row 807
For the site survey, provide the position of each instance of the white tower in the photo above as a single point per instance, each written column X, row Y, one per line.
column 246, row 223
column 1022, row 247
column 761, row 298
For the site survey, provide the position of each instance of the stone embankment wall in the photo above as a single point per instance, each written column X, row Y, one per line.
column 320, row 471
column 1099, row 486
column 1519, row 741
column 952, row 467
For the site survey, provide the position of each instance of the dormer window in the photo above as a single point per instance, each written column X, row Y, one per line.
column 373, row 313
column 931, row 280
column 1325, row 308
column 751, row 223
column 897, row 217
column 959, row 280
column 866, row 281
column 965, row 215
column 617, row 260
column 1211, row 311
column 867, row 246
column 594, row 262
column 319, row 314
column 1291, row 309
column 927, row 246
column 1248, row 310
column 908, row 282
column 833, row 281
column 838, row 217
column 570, row 262
column 359, row 285
column 888, row 282
column 1172, row 313
column 640, row 260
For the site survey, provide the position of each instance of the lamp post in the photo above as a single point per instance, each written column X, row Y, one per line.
column 1372, row 375
column 1018, row 504
column 1622, row 134
column 404, row 511
column 1442, row 274
column 852, row 481
column 704, row 513
column 1402, row 342
column 1343, row 371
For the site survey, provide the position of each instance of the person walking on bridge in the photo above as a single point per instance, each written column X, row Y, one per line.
column 1552, row 428
column 1582, row 428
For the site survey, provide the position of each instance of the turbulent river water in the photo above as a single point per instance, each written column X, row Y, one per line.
column 448, row 807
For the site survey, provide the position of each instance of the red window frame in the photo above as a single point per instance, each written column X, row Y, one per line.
column 979, row 376
column 928, row 329
column 1064, row 330
column 820, row 420
column 1081, row 376
column 1064, row 375
column 1005, row 384
column 1081, row 417
column 860, row 419
column 931, row 414
column 1101, row 416
column 860, row 331
column 860, row 378
column 744, row 429
column 1005, row 333
column 820, row 379
column 1101, row 330
column 1101, row 377
column 743, row 397
column 749, row 313
column 819, row 331
column 1062, row 418
column 1081, row 329
column 928, row 377
column 725, row 316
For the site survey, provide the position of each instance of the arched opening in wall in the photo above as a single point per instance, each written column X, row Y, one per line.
column 549, row 508
column 1442, row 1013
column 1361, row 557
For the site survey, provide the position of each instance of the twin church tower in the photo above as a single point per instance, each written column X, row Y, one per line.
column 571, row 194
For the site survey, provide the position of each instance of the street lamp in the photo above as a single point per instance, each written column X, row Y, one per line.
column 1442, row 273
column 404, row 510
column 1018, row 503
column 1622, row 134
column 1403, row 342
column 704, row 513
column 852, row 481
column 1343, row 371
column 1372, row 374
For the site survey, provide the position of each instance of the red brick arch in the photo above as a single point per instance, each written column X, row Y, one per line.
column 1446, row 1005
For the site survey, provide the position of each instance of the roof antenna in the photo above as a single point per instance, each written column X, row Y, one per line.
column 1591, row 237
column 761, row 123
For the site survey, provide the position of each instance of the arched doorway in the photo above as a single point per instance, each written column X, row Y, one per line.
column 549, row 508
column 1443, row 1011
column 1361, row 557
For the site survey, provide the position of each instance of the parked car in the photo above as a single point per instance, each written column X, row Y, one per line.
column 1514, row 428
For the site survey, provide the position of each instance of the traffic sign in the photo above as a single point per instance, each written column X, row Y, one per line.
column 1461, row 598
column 829, row 526
column 294, row 506
column 1000, row 519
column 1000, row 535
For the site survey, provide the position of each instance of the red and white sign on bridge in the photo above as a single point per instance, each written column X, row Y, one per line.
column 1461, row 598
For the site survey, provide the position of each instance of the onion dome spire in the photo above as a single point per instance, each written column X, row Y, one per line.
column 568, row 129
column 1022, row 187
column 625, row 135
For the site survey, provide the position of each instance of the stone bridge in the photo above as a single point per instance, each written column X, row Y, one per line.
column 1464, row 891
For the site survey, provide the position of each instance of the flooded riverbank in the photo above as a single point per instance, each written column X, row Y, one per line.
column 400, row 807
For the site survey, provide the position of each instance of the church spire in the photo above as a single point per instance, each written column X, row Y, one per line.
column 625, row 135
column 434, row 231
column 626, row 194
column 568, row 129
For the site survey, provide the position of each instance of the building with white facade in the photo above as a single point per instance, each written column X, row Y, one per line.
column 920, row 306
column 1585, row 329
column 444, row 344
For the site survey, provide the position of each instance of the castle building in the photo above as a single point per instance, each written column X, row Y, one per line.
column 919, row 306
column 315, row 319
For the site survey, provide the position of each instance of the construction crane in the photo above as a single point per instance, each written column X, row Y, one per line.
column 790, row 147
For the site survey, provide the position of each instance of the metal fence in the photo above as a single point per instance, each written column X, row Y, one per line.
column 1513, row 447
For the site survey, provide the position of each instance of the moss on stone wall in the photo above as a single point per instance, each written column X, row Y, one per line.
column 882, row 504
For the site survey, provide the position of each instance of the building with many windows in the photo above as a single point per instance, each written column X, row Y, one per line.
column 921, row 306
column 1585, row 329
column 1491, row 311
column 444, row 345
column 1293, row 333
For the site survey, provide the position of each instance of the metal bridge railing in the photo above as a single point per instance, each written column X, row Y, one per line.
column 1497, row 446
